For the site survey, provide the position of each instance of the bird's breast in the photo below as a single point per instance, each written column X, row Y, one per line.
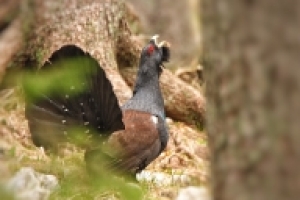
column 140, row 133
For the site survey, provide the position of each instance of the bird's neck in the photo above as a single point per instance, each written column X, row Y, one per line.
column 147, row 96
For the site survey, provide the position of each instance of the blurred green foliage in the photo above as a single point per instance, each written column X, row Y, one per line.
column 4, row 194
column 66, row 77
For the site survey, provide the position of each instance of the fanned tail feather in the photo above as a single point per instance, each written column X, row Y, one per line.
column 95, row 107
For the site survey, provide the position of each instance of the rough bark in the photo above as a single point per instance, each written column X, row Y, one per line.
column 8, row 11
column 101, row 28
column 14, row 20
column 10, row 42
column 252, row 61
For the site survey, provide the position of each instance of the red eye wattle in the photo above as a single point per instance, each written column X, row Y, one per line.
column 150, row 49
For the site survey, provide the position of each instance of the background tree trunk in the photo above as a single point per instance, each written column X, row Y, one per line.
column 251, row 57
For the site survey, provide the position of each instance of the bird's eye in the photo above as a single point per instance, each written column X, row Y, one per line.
column 150, row 49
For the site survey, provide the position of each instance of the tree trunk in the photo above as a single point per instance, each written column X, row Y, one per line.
column 15, row 22
column 251, row 58
column 8, row 11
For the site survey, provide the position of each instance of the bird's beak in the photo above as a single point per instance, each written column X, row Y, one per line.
column 164, row 46
column 154, row 38
column 161, row 44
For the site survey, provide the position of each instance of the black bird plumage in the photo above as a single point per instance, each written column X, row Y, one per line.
column 134, row 134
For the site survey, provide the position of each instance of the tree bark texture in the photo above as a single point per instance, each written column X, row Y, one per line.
column 8, row 11
column 14, row 17
column 252, row 63
column 100, row 27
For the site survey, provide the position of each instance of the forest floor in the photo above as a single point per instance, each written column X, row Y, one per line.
column 185, row 157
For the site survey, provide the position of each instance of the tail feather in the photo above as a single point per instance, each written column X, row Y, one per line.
column 95, row 107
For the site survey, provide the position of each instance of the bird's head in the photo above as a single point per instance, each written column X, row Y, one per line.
column 154, row 55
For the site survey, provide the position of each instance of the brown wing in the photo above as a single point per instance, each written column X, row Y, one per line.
column 137, row 145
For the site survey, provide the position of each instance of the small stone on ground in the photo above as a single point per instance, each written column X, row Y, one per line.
column 27, row 184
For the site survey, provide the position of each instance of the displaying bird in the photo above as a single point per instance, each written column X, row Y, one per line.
column 128, row 138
